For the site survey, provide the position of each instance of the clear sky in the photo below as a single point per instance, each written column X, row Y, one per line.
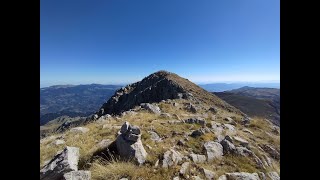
column 122, row 41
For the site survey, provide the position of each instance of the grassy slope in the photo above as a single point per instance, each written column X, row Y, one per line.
column 147, row 121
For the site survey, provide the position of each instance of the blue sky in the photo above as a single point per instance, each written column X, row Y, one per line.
column 122, row 41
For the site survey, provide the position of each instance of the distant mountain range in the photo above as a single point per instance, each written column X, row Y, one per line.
column 72, row 100
column 220, row 87
column 261, row 102
column 84, row 100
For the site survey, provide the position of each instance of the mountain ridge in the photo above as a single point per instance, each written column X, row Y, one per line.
column 158, row 86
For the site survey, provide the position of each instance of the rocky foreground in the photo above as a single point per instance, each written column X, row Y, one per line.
column 185, row 137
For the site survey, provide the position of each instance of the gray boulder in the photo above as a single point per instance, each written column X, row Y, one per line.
column 151, row 108
column 200, row 132
column 208, row 174
column 273, row 175
column 62, row 163
column 213, row 150
column 241, row 141
column 242, row 176
column 170, row 158
column 228, row 147
column 223, row 177
column 59, row 142
column 229, row 127
column 129, row 145
column 216, row 127
column 154, row 136
column 77, row 175
column 103, row 144
column 197, row 158
column 200, row 121
column 196, row 178
column 184, row 168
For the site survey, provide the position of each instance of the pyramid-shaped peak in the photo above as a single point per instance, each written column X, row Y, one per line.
column 154, row 88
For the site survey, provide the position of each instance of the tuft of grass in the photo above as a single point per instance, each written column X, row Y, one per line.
column 114, row 170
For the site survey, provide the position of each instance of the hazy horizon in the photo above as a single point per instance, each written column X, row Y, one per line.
column 120, row 42
column 225, row 82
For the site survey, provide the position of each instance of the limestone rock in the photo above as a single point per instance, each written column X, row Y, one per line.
column 213, row 150
column 223, row 177
column 229, row 127
column 151, row 108
column 154, row 136
column 197, row 158
column 184, row 168
column 208, row 174
column 170, row 158
column 129, row 144
column 242, row 176
column 242, row 141
column 63, row 162
column 200, row 121
column 228, row 147
column 200, row 132
column 77, row 175
column 59, row 142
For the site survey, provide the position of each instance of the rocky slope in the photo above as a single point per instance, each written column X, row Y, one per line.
column 159, row 86
column 192, row 135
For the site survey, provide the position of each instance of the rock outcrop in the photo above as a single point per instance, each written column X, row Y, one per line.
column 129, row 145
column 242, row 176
column 62, row 163
column 77, row 175
column 171, row 157
column 213, row 150
column 156, row 87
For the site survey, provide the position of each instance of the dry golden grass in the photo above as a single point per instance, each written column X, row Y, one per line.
column 147, row 121
column 115, row 170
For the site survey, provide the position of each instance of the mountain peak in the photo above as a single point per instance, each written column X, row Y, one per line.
column 161, row 85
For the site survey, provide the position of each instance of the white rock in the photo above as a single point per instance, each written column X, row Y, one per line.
column 59, row 141
column 77, row 175
column 63, row 162
column 184, row 168
column 208, row 174
column 170, row 158
column 213, row 150
column 242, row 176
column 197, row 158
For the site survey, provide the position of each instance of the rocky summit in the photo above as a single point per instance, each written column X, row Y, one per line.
column 156, row 87
column 163, row 127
